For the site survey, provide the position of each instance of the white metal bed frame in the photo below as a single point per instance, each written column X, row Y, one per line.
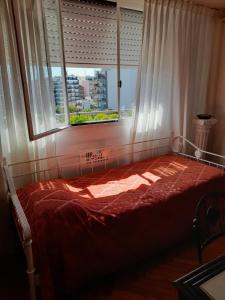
column 177, row 145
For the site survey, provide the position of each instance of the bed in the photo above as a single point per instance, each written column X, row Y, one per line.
column 91, row 225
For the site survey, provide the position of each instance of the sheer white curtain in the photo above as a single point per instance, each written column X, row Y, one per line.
column 175, row 65
column 13, row 125
column 34, row 20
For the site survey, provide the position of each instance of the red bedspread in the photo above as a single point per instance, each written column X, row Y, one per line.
column 95, row 224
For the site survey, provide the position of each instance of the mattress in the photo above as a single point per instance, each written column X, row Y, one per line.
column 86, row 227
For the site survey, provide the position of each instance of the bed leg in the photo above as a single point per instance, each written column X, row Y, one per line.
column 30, row 269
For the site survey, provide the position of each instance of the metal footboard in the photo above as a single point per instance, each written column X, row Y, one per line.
column 24, row 232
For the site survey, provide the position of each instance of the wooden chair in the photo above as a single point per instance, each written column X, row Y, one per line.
column 209, row 220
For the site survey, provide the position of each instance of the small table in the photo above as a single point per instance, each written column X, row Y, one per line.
column 204, row 283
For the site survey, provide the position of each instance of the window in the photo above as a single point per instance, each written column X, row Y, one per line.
column 91, row 52
column 131, row 23
column 96, row 60
column 40, row 49
column 92, row 94
column 79, row 53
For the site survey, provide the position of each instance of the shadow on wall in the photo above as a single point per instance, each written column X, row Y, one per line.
column 218, row 133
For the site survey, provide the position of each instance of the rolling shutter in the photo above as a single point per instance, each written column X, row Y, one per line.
column 90, row 32
column 53, row 32
column 131, row 23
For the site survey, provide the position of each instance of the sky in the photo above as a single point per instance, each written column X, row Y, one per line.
column 75, row 71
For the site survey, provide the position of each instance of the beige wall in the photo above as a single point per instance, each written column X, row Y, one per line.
column 218, row 132
column 131, row 4
column 139, row 4
column 76, row 138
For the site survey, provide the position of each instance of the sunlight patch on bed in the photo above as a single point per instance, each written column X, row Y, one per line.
column 150, row 176
column 41, row 186
column 171, row 170
column 123, row 185
column 86, row 196
column 178, row 166
column 165, row 171
column 72, row 188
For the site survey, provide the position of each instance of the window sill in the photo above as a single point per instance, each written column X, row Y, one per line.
column 96, row 122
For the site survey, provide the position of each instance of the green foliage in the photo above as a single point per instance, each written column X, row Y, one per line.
column 87, row 110
column 113, row 116
column 59, row 109
column 78, row 119
column 100, row 117
column 72, row 108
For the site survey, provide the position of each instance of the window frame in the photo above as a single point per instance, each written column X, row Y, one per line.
column 118, row 81
column 24, row 78
column 32, row 135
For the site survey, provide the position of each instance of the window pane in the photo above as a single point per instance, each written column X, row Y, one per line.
column 90, row 43
column 55, row 59
column 92, row 94
column 90, row 32
column 131, row 23
column 35, row 72
column 59, row 95
column 128, row 76
column 39, row 39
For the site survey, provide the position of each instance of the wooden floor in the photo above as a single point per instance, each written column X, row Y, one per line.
column 149, row 279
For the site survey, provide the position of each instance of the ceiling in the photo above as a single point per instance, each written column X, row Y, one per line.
column 139, row 4
column 212, row 3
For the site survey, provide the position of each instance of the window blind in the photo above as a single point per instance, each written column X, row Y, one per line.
column 131, row 22
column 53, row 32
column 90, row 32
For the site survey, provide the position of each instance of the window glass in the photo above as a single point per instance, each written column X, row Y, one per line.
column 70, row 68
column 90, row 46
column 39, row 38
column 128, row 76
column 55, row 53
column 92, row 94
column 131, row 23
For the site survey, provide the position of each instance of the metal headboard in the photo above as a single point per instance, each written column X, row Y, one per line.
column 179, row 146
column 87, row 160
